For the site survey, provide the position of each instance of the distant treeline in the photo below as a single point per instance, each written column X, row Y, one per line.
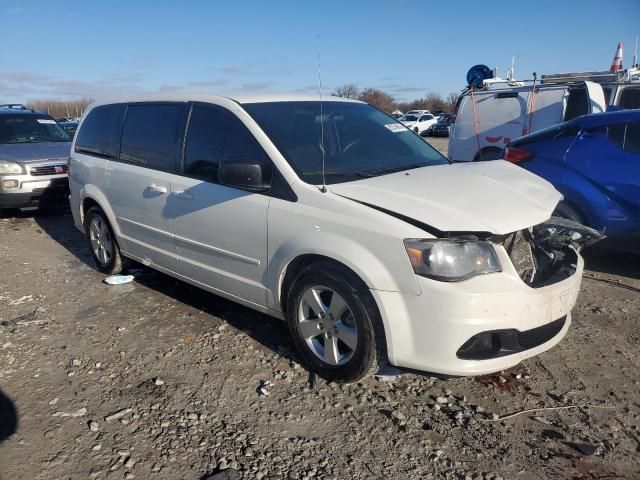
column 61, row 108
column 431, row 101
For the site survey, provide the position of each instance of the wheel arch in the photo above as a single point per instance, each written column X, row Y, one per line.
column 298, row 264
column 92, row 196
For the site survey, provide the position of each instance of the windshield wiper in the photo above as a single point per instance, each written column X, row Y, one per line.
column 385, row 171
column 341, row 173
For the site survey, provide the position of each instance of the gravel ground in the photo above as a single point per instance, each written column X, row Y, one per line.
column 156, row 379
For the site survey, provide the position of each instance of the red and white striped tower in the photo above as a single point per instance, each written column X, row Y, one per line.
column 616, row 66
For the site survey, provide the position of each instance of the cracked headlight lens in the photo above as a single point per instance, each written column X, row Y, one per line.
column 451, row 260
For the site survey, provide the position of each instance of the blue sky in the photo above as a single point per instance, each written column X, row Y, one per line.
column 70, row 48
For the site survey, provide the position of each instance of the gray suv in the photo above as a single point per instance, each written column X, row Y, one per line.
column 34, row 151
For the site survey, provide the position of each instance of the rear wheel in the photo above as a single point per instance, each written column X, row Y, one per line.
column 102, row 243
column 335, row 324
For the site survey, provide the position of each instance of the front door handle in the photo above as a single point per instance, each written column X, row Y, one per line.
column 157, row 188
column 184, row 195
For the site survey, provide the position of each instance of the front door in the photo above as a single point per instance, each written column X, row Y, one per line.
column 220, row 231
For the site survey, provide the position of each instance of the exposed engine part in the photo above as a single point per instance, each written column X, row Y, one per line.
column 547, row 253
column 560, row 231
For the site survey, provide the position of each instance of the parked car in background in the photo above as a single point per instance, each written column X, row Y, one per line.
column 34, row 151
column 502, row 111
column 441, row 127
column 371, row 244
column 419, row 123
column 594, row 161
column 69, row 127
column 417, row 112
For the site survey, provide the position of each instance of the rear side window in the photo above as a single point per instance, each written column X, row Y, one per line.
column 549, row 133
column 630, row 98
column 215, row 137
column 151, row 135
column 577, row 103
column 100, row 131
column 616, row 134
column 632, row 138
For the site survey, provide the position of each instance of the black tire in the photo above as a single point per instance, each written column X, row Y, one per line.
column 370, row 352
column 115, row 263
column 489, row 153
column 568, row 211
column 416, row 130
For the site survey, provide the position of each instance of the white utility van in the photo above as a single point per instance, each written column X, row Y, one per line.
column 486, row 119
column 335, row 217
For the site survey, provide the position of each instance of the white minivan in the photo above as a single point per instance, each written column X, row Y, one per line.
column 335, row 217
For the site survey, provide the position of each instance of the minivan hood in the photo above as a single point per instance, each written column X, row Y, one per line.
column 496, row 196
column 33, row 152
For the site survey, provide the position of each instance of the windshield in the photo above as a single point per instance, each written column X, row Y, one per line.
column 444, row 119
column 30, row 129
column 409, row 118
column 360, row 141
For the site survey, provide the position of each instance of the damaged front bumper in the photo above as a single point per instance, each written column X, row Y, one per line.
column 491, row 322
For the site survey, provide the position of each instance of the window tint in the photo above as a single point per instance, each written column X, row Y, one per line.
column 616, row 134
column 100, row 131
column 550, row 133
column 577, row 103
column 29, row 128
column 630, row 98
column 215, row 137
column 607, row 94
column 151, row 134
column 632, row 138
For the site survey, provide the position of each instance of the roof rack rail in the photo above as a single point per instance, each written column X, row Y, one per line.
column 603, row 76
column 14, row 106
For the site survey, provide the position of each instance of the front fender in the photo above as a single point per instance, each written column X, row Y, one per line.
column 393, row 273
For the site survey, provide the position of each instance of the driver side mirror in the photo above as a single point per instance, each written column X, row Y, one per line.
column 248, row 176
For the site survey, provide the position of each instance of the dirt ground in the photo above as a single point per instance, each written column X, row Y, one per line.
column 156, row 379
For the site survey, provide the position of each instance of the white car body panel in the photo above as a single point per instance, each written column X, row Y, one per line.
column 221, row 236
column 496, row 197
column 239, row 245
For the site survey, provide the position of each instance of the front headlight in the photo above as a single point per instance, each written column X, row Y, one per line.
column 9, row 168
column 451, row 260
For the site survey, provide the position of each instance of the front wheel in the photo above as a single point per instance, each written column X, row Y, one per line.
column 335, row 324
column 102, row 243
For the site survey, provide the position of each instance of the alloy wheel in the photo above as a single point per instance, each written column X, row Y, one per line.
column 327, row 325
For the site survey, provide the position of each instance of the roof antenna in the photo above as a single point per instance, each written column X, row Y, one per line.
column 324, row 182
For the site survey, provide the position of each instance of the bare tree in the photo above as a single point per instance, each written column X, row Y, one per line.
column 452, row 99
column 61, row 108
column 378, row 98
column 350, row 90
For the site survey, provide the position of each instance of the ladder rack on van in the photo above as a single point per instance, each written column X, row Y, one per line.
column 631, row 74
